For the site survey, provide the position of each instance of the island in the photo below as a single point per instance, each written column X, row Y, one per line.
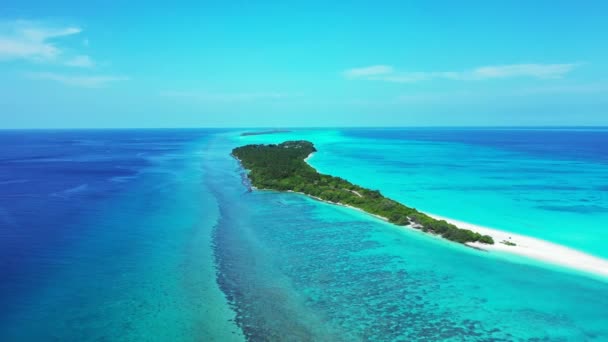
column 283, row 167
column 274, row 131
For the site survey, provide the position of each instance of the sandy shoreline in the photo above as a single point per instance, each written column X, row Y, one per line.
column 535, row 248
column 308, row 157
column 526, row 246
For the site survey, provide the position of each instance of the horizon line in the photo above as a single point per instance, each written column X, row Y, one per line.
column 295, row 127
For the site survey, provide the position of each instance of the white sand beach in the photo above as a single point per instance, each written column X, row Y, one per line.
column 308, row 157
column 535, row 248
column 525, row 246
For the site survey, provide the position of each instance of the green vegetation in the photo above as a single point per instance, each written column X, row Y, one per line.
column 508, row 243
column 282, row 167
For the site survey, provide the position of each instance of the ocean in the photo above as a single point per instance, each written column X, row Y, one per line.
column 151, row 235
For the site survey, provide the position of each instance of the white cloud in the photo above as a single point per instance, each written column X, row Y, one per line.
column 227, row 97
column 31, row 41
column 369, row 71
column 81, row 61
column 389, row 74
column 85, row 81
column 524, row 70
column 39, row 42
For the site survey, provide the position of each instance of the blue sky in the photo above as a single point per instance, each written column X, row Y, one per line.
column 280, row 64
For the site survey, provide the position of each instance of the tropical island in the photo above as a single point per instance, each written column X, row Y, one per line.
column 274, row 131
column 283, row 167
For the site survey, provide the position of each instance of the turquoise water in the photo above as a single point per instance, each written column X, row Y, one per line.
column 505, row 179
column 369, row 280
column 182, row 251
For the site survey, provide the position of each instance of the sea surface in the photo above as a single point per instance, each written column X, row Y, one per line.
column 152, row 235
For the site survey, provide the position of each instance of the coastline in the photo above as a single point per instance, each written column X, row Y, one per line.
column 535, row 248
column 335, row 203
column 525, row 246
column 529, row 247
column 308, row 157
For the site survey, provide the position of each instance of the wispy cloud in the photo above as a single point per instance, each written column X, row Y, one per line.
column 370, row 71
column 524, row 70
column 80, row 61
column 464, row 95
column 86, row 81
column 390, row 74
column 45, row 43
column 227, row 97
column 31, row 40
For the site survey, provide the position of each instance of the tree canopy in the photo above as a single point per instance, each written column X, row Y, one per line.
column 283, row 167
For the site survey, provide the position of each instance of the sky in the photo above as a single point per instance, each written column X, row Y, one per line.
column 100, row 64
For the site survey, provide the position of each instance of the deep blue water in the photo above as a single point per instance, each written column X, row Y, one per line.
column 52, row 180
column 558, row 143
column 150, row 235
column 103, row 234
